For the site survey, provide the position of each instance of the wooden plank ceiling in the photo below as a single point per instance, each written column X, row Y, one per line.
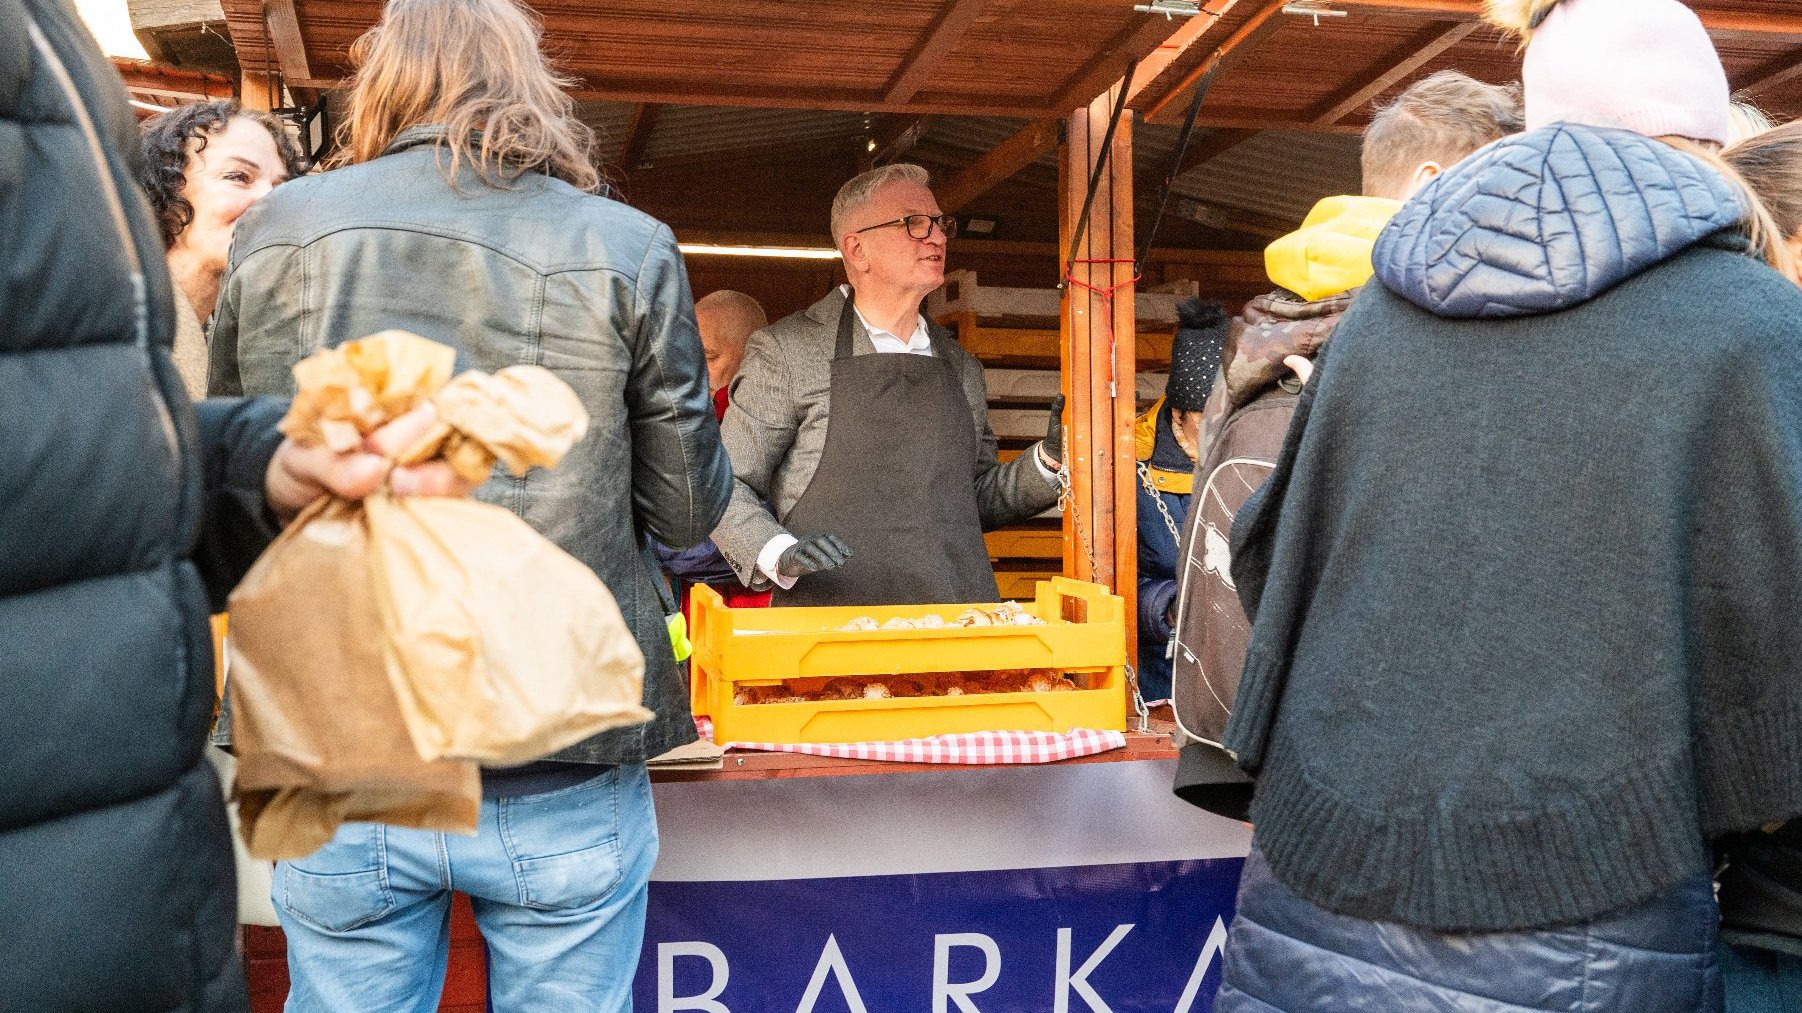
column 972, row 57
column 914, row 78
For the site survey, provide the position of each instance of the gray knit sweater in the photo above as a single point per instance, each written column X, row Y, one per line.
column 1525, row 577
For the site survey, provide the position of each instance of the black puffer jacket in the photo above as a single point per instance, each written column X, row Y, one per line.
column 116, row 888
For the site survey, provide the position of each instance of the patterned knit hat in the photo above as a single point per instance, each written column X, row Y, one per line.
column 1195, row 354
column 1641, row 65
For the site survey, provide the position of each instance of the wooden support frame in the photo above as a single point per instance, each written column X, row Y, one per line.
column 1419, row 50
column 284, row 38
column 998, row 164
column 1781, row 71
column 1041, row 135
column 1239, row 45
column 1099, row 446
column 917, row 67
column 638, row 134
column 255, row 91
column 1718, row 22
column 1153, row 66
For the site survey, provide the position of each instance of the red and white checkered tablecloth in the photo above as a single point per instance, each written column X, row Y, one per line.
column 971, row 748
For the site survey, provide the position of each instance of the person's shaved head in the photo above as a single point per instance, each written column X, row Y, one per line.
column 726, row 319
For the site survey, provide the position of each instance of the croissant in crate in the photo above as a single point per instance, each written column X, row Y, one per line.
column 1005, row 614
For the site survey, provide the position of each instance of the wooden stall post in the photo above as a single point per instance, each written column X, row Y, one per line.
column 256, row 91
column 1099, row 363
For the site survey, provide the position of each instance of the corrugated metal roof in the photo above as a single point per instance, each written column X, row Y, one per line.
column 610, row 121
column 688, row 130
column 975, row 134
column 1277, row 175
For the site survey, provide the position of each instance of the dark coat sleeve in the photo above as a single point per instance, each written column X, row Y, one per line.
column 238, row 437
column 1005, row 493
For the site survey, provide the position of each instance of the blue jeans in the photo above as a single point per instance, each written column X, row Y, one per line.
column 557, row 881
column 1760, row 981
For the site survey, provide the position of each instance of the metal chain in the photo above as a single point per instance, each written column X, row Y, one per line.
column 1158, row 498
column 1066, row 502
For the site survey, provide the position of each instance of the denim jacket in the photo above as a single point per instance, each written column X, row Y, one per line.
column 537, row 272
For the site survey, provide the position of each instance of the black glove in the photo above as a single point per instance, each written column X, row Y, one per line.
column 1053, row 447
column 811, row 555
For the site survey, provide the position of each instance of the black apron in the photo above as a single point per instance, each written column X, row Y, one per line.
column 897, row 482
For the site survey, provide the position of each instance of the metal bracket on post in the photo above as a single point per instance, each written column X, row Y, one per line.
column 308, row 120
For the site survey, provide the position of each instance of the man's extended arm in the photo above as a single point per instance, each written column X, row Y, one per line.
column 1005, row 493
column 758, row 429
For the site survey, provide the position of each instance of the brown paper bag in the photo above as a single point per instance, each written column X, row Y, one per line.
column 319, row 736
column 503, row 648
column 447, row 626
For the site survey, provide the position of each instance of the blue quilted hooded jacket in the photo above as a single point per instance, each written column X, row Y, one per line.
column 1549, row 220
column 1518, row 645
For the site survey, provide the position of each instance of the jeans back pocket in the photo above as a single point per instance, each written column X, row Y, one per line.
column 341, row 886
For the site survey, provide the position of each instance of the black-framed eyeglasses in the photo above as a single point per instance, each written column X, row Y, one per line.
column 920, row 226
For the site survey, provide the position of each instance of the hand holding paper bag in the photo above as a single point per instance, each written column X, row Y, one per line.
column 379, row 647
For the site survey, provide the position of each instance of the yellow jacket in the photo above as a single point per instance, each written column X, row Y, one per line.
column 1145, row 436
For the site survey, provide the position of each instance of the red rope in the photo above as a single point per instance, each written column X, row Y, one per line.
column 1107, row 301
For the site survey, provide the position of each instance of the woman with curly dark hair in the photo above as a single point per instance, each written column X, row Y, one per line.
column 203, row 165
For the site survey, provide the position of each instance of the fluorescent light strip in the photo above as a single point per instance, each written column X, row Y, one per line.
column 789, row 252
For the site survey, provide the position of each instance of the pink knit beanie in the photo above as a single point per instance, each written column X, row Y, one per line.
column 1642, row 65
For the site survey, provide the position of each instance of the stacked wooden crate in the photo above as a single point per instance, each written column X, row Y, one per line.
column 1014, row 333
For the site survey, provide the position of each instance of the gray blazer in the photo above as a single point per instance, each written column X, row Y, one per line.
column 775, row 432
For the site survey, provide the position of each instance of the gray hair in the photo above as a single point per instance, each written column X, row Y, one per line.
column 862, row 187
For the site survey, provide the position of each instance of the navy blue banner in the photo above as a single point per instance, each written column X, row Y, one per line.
column 1139, row 938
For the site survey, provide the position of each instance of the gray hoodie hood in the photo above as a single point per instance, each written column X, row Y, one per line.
column 1546, row 220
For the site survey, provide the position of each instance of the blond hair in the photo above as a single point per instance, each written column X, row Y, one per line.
column 1519, row 17
column 860, row 189
column 1771, row 164
column 1748, row 122
column 475, row 68
column 1441, row 118
column 1761, row 229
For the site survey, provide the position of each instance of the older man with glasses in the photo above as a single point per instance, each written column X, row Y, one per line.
column 866, row 428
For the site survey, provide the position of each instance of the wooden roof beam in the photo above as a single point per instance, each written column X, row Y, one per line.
column 838, row 99
column 1041, row 135
column 1239, row 45
column 936, row 44
column 1783, row 70
column 638, row 134
column 1717, row 21
column 998, row 164
column 1153, row 42
column 1420, row 49
column 1153, row 66
column 284, row 38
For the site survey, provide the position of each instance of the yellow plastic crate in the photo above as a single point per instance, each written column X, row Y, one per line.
column 1084, row 636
